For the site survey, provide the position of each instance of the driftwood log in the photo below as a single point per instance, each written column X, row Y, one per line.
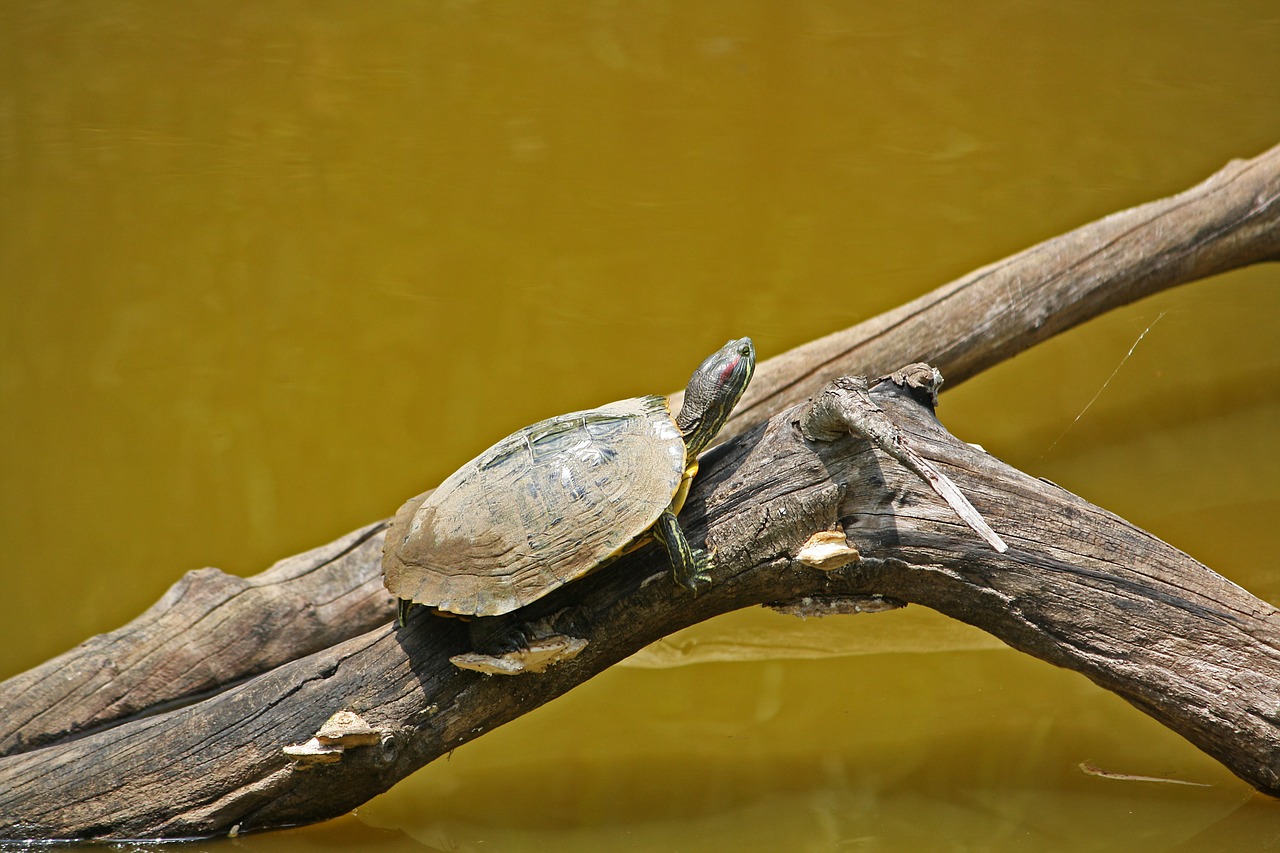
column 200, row 717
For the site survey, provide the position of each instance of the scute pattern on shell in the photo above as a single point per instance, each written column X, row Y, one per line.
column 540, row 508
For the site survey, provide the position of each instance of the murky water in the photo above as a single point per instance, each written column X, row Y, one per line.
column 266, row 269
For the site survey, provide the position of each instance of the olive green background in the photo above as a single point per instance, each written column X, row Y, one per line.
column 268, row 268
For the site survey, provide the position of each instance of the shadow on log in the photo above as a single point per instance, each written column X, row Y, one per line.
column 177, row 725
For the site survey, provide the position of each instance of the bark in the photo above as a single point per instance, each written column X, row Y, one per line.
column 176, row 725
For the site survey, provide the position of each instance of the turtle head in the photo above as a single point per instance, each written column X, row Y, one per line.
column 713, row 391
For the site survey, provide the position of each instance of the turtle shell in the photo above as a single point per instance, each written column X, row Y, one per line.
column 544, row 506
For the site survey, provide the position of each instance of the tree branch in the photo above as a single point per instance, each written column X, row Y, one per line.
column 1230, row 220
column 1077, row 587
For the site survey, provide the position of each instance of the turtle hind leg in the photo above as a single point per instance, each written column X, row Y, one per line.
column 403, row 606
column 503, row 646
column 690, row 567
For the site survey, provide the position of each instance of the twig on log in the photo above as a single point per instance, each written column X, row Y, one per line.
column 845, row 405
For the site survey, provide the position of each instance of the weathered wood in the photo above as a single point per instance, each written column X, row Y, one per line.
column 209, row 630
column 1078, row 587
column 845, row 407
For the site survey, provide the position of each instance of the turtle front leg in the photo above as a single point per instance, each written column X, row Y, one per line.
column 690, row 567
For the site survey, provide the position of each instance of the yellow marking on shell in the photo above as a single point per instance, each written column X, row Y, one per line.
column 682, row 490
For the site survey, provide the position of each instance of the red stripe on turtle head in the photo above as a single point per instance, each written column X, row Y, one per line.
column 727, row 371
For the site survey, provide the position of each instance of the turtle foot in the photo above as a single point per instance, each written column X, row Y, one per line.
column 537, row 656
column 698, row 576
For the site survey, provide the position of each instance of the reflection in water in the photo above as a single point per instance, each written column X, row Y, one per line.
column 267, row 270
column 841, row 756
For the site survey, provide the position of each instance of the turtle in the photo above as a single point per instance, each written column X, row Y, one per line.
column 557, row 500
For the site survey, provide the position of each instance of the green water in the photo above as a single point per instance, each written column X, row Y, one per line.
column 266, row 269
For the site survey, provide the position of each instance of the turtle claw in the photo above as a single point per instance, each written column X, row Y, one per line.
column 697, row 575
column 698, row 581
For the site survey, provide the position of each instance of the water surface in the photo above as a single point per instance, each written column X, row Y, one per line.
column 266, row 269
